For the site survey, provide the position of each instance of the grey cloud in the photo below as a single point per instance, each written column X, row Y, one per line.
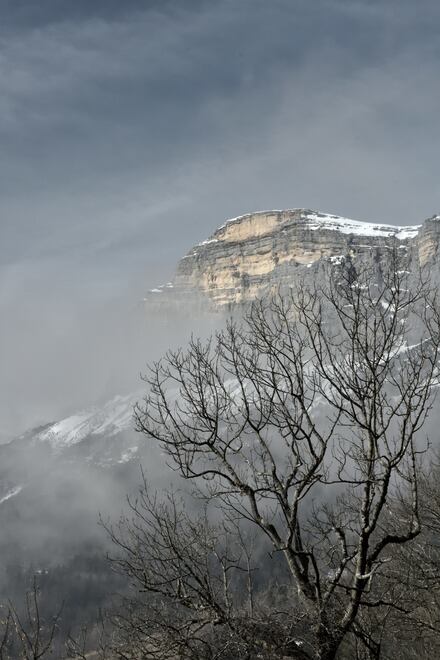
column 25, row 13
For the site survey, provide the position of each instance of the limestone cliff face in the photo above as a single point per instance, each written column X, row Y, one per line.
column 258, row 251
column 428, row 241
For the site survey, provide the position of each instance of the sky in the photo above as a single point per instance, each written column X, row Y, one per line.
column 130, row 130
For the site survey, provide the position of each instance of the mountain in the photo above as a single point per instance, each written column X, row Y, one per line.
column 55, row 479
column 111, row 419
column 250, row 254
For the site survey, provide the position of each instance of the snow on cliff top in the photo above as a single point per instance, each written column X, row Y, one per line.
column 316, row 220
column 347, row 226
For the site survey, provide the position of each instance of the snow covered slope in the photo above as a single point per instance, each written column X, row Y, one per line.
column 112, row 418
column 318, row 221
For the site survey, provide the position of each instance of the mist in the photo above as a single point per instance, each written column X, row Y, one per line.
column 129, row 133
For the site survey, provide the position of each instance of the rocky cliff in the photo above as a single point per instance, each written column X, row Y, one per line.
column 258, row 251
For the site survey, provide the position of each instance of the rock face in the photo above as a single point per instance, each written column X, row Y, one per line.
column 428, row 241
column 259, row 251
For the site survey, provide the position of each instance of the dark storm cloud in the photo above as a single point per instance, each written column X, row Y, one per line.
column 130, row 130
column 26, row 13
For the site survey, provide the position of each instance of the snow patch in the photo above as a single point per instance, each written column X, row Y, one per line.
column 337, row 259
column 318, row 221
column 209, row 240
column 129, row 454
column 161, row 288
column 11, row 493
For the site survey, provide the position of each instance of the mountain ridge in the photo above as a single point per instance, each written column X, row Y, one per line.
column 236, row 237
column 95, row 452
column 255, row 252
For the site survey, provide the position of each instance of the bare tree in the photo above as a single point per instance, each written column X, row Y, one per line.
column 409, row 626
column 201, row 589
column 302, row 423
column 28, row 635
column 6, row 624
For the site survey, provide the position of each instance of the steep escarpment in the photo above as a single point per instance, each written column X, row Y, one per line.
column 428, row 241
column 259, row 251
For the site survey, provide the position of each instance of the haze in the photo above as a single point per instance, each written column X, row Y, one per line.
column 131, row 130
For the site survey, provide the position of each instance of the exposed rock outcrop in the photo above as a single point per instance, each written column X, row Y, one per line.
column 428, row 241
column 258, row 251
